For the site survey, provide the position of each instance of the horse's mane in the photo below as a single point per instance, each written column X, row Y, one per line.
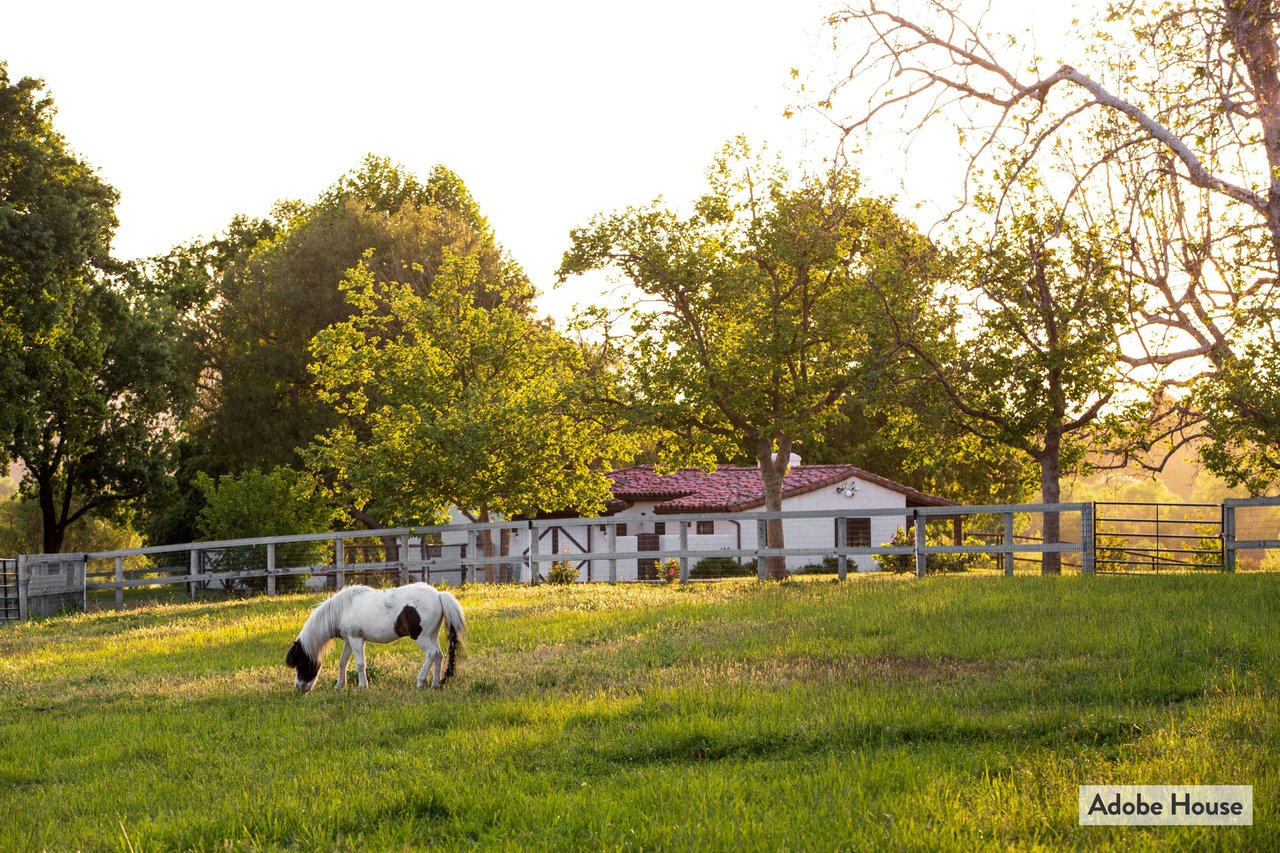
column 321, row 627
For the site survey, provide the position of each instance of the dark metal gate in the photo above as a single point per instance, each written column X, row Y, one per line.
column 1155, row 537
column 9, row 608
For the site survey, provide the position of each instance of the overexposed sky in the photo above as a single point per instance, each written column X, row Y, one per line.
column 550, row 112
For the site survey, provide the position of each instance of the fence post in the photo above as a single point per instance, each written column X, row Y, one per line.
column 922, row 566
column 613, row 551
column 271, row 568
column 535, row 571
column 1087, row 553
column 842, row 542
column 119, row 577
column 1008, row 543
column 339, row 563
column 404, row 558
column 762, row 534
column 24, row 588
column 1228, row 537
column 684, row 546
column 195, row 571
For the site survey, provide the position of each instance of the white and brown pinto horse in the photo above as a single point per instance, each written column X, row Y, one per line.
column 358, row 614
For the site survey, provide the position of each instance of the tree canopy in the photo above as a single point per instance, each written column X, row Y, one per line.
column 757, row 313
column 1166, row 129
column 443, row 403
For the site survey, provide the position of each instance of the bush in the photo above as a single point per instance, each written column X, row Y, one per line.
column 562, row 573
column 936, row 563
column 278, row 503
column 669, row 570
column 722, row 567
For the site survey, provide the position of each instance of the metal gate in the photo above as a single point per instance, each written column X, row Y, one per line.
column 1155, row 537
column 9, row 608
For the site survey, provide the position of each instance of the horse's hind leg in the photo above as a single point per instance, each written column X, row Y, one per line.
column 342, row 663
column 357, row 646
column 432, row 659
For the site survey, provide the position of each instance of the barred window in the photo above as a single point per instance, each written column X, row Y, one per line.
column 857, row 532
column 706, row 528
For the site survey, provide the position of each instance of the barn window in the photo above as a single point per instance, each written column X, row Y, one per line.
column 660, row 528
column 857, row 532
column 706, row 528
column 622, row 529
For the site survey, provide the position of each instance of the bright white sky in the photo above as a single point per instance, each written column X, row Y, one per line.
column 550, row 112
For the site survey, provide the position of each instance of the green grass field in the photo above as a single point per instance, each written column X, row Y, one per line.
column 884, row 713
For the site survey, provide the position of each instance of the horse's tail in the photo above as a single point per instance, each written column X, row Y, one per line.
column 456, row 623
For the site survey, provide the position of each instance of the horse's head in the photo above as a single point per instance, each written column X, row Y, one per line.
column 307, row 666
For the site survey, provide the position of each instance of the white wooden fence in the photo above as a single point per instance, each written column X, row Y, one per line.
column 517, row 551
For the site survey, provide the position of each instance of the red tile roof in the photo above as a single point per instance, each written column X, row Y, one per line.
column 732, row 488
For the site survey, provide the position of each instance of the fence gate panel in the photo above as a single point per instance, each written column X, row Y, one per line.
column 1155, row 537
column 9, row 590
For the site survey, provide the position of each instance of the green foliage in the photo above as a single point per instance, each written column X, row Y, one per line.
column 89, row 373
column 444, row 403
column 721, row 567
column 562, row 573
column 22, row 531
column 1241, row 405
column 766, row 314
column 756, row 314
column 934, row 563
column 669, row 570
column 276, row 503
column 259, row 293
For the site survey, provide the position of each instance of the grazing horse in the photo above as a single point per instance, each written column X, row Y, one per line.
column 357, row 613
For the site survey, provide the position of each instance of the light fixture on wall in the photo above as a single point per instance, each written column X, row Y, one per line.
column 849, row 490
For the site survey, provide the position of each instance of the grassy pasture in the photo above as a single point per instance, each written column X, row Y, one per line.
column 884, row 713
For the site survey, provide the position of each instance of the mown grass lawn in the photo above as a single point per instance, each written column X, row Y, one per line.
column 883, row 713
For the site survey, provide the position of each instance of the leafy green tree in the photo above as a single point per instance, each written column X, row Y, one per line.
column 1165, row 126
column 1030, row 359
column 261, row 291
column 912, row 432
column 56, row 221
column 87, row 373
column 443, row 403
column 766, row 306
column 278, row 502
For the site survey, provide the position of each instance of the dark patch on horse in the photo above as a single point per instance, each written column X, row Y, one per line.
column 409, row 623
column 308, row 668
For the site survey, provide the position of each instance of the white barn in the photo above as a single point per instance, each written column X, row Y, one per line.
column 641, row 494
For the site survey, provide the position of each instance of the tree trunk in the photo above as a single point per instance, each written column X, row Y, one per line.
column 53, row 531
column 773, row 467
column 1051, row 493
column 486, row 547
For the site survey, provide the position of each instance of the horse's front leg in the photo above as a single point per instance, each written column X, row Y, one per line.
column 357, row 647
column 342, row 664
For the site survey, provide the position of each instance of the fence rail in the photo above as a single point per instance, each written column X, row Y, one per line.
column 524, row 551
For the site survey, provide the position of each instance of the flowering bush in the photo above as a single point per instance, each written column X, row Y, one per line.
column 669, row 570
column 562, row 572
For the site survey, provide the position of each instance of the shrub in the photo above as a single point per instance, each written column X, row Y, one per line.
column 562, row 573
column 937, row 563
column 669, row 570
column 722, row 567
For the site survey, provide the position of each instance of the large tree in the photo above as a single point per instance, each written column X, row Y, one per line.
column 444, row 404
column 758, row 313
column 87, row 381
column 1167, row 126
column 1031, row 357
column 262, row 290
